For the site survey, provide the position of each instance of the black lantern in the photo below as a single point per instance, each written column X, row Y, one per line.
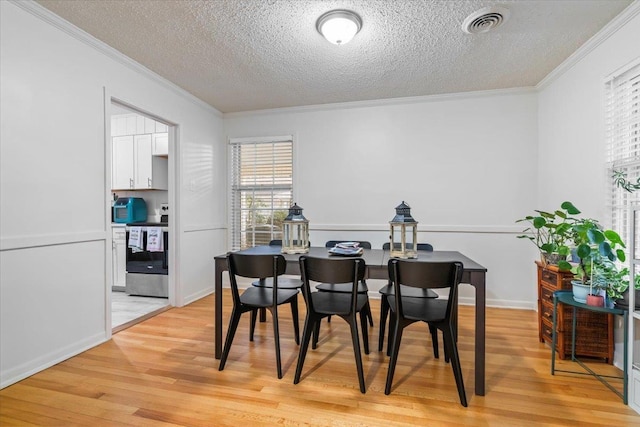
column 404, row 233
column 295, row 233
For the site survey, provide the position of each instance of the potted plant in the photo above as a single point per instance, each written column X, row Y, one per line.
column 551, row 232
column 597, row 252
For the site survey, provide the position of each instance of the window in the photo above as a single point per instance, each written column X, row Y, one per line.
column 261, row 189
column 623, row 142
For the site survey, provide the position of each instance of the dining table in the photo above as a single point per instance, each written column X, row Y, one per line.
column 376, row 261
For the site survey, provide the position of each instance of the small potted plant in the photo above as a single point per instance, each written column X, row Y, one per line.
column 597, row 252
column 551, row 232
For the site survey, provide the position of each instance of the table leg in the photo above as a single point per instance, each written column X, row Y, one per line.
column 554, row 336
column 478, row 281
column 221, row 267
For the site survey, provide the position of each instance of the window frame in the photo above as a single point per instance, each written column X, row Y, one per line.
column 618, row 200
column 236, row 228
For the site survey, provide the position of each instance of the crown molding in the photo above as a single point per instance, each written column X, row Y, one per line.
column 385, row 102
column 600, row 37
column 51, row 18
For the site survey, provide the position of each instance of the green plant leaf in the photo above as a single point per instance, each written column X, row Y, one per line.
column 605, row 250
column 583, row 251
column 561, row 214
column 614, row 237
column 539, row 222
column 548, row 248
column 621, row 256
column 595, row 236
column 568, row 206
column 564, row 265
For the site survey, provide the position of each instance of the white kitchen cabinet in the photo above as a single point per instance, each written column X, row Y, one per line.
column 134, row 167
column 119, row 258
column 122, row 163
column 160, row 144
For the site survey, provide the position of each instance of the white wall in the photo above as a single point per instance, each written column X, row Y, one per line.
column 55, row 232
column 466, row 164
column 571, row 123
column 571, row 127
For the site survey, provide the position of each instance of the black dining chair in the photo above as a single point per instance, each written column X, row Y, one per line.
column 438, row 312
column 283, row 282
column 344, row 305
column 255, row 298
column 387, row 290
column 346, row 287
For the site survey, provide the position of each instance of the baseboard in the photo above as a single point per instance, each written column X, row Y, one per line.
column 27, row 369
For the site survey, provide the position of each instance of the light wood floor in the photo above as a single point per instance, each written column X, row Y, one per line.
column 162, row 372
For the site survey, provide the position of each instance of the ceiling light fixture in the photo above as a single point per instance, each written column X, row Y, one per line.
column 339, row 26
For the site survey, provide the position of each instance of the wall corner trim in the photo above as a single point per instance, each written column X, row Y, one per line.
column 600, row 37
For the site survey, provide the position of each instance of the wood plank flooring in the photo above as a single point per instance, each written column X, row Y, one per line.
column 162, row 372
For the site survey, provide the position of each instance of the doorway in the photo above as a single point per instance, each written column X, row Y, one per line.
column 141, row 192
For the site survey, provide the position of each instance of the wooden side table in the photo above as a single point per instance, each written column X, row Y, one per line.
column 566, row 298
column 595, row 337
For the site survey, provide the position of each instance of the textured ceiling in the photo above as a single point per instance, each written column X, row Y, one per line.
column 241, row 55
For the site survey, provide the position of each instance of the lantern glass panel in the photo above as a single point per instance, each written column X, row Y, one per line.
column 403, row 240
column 295, row 237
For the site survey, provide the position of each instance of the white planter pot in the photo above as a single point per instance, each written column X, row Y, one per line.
column 580, row 291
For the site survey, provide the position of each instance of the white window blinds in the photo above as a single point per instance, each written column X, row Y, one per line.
column 261, row 189
column 623, row 143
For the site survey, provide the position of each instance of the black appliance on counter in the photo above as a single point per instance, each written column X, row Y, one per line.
column 148, row 272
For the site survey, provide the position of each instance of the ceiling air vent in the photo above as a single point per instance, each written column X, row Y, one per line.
column 485, row 19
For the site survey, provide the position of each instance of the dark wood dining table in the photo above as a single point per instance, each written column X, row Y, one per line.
column 376, row 260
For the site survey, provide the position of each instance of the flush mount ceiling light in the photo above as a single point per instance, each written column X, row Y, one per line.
column 339, row 26
column 485, row 19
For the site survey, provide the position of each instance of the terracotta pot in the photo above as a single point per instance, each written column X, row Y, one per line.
column 595, row 300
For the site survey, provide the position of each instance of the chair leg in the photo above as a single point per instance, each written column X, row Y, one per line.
column 231, row 332
column 384, row 310
column 276, row 339
column 392, row 321
column 296, row 323
column 307, row 331
column 452, row 349
column 263, row 315
column 316, row 333
column 434, row 340
column 329, row 319
column 369, row 315
column 365, row 331
column 397, row 337
column 356, row 350
column 252, row 328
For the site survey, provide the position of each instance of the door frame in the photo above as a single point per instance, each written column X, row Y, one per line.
column 175, row 293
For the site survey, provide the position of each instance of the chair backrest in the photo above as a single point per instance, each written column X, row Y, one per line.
column 254, row 267
column 425, row 275
column 421, row 247
column 363, row 244
column 331, row 270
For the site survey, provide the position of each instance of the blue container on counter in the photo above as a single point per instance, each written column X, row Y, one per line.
column 127, row 210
